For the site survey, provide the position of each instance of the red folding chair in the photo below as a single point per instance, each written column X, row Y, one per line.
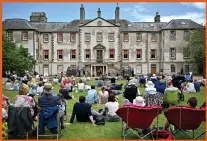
column 185, row 118
column 162, row 135
column 137, row 118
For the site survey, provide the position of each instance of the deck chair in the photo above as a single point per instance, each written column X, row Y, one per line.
column 171, row 97
column 20, row 122
column 136, row 118
column 57, row 125
column 162, row 135
column 185, row 118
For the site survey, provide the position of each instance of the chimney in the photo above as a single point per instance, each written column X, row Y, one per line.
column 38, row 17
column 117, row 14
column 82, row 14
column 157, row 18
column 99, row 12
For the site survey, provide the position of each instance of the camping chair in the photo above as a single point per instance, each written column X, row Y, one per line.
column 20, row 122
column 60, row 132
column 203, row 133
column 171, row 97
column 137, row 118
column 162, row 135
column 185, row 118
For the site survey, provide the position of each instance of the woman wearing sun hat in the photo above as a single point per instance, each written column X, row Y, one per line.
column 139, row 101
column 150, row 88
column 23, row 100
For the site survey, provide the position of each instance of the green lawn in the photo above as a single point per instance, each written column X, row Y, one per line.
column 109, row 130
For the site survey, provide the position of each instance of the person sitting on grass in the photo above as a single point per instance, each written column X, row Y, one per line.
column 82, row 111
column 69, row 86
column 190, row 88
column 192, row 103
column 103, row 95
column 40, row 88
column 110, row 109
column 16, row 85
column 9, row 85
column 62, row 109
column 81, row 86
column 65, row 93
column 131, row 91
column 150, row 88
column 33, row 90
column 197, row 85
column 99, row 82
column 92, row 95
column 160, row 86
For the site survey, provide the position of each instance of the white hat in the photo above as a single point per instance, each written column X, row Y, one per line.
column 131, row 82
column 153, row 75
column 139, row 101
column 150, row 84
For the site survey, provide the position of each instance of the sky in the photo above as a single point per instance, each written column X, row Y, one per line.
column 134, row 12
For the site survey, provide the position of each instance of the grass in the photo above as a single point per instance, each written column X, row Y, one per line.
column 111, row 130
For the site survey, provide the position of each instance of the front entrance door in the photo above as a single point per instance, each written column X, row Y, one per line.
column 45, row 70
column 99, row 56
column 99, row 70
column 153, row 68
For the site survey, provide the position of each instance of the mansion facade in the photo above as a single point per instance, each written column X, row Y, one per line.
column 106, row 44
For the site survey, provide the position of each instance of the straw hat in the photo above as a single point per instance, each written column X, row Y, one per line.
column 48, row 87
column 139, row 101
column 150, row 84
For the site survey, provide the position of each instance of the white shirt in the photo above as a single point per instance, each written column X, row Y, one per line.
column 112, row 107
column 40, row 90
column 191, row 87
column 81, row 86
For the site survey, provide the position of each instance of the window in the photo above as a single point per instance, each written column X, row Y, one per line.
column 111, row 53
column 45, row 38
column 87, row 54
column 172, row 68
column 153, row 53
column 46, row 54
column 153, row 37
column 139, row 53
column 139, row 36
column 186, row 35
column 73, row 54
column 187, row 68
column 126, row 54
column 172, row 35
column 24, row 36
column 99, row 37
column 60, row 37
column 73, row 37
column 87, row 37
column 111, row 37
column 10, row 35
column 186, row 53
column 60, row 54
column 59, row 69
column 126, row 37
column 172, row 53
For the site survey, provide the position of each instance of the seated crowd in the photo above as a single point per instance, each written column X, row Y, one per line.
column 83, row 110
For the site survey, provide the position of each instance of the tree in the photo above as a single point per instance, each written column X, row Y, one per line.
column 16, row 58
column 197, row 48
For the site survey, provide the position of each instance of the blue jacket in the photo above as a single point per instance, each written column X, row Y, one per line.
column 160, row 86
column 48, row 114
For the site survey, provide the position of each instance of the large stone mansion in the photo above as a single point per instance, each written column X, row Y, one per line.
column 107, row 44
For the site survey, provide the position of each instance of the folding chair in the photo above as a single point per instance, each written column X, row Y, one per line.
column 204, row 132
column 137, row 118
column 185, row 118
column 60, row 132
column 162, row 135
column 20, row 122
column 171, row 97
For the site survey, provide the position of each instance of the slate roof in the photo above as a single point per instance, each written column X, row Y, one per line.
column 17, row 24
column 177, row 24
column 125, row 25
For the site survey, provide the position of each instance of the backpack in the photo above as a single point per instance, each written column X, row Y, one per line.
column 100, row 120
